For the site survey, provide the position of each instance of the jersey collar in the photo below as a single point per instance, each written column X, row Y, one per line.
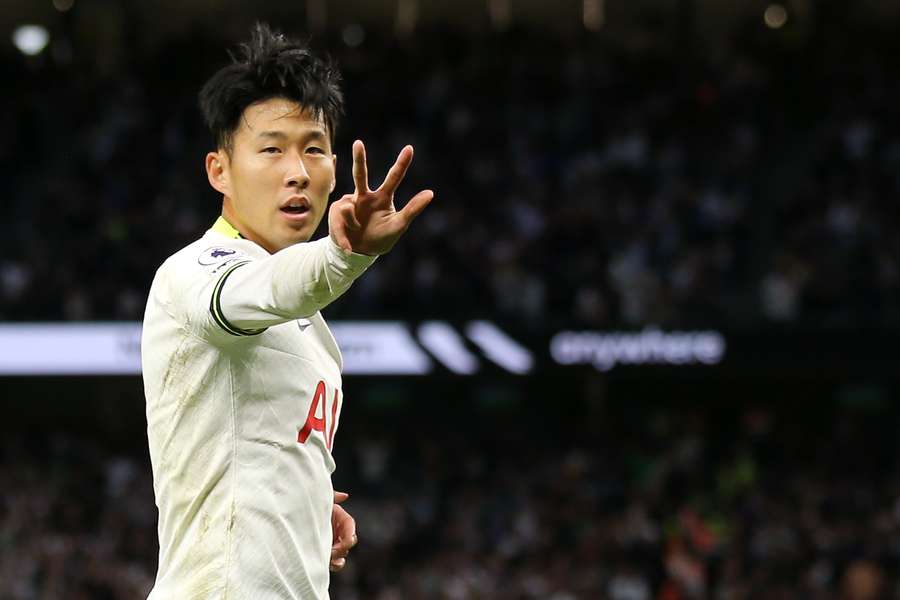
column 227, row 229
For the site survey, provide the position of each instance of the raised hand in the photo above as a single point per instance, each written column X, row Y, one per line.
column 367, row 222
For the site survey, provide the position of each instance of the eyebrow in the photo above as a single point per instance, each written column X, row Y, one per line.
column 280, row 135
column 272, row 134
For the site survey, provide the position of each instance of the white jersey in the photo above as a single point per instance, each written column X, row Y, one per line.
column 243, row 384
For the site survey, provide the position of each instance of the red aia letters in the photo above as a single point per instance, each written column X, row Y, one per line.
column 314, row 423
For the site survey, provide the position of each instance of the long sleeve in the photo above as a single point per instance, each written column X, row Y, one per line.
column 293, row 283
column 236, row 289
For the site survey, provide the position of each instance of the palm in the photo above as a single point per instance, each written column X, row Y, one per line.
column 367, row 222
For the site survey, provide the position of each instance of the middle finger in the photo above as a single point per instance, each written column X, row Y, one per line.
column 398, row 171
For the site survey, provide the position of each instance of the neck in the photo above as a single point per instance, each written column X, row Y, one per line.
column 231, row 216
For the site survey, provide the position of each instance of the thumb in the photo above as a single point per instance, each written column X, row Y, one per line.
column 341, row 221
column 340, row 497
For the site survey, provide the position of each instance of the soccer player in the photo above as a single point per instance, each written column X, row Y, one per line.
column 242, row 375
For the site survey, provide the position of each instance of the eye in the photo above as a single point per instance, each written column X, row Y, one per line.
column 315, row 150
column 272, row 150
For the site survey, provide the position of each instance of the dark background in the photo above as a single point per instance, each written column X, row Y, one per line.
column 680, row 165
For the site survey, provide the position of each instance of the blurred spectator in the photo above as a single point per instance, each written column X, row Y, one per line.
column 652, row 509
column 576, row 180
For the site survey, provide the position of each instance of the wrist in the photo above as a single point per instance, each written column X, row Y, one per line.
column 350, row 257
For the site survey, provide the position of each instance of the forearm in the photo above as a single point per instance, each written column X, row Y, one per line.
column 293, row 283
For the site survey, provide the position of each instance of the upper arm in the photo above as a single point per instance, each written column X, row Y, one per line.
column 195, row 283
column 228, row 294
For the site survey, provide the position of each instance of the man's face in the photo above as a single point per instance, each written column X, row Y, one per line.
column 277, row 177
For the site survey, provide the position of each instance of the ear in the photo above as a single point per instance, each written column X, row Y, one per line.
column 333, row 171
column 217, row 172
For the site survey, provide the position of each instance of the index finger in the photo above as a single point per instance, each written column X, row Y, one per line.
column 398, row 171
column 360, row 171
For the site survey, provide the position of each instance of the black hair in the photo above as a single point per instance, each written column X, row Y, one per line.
column 270, row 66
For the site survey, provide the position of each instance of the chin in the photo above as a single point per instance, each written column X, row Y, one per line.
column 299, row 237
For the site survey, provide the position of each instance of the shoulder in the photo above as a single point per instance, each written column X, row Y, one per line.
column 186, row 275
column 208, row 256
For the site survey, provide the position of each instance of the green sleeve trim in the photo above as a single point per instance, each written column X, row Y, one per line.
column 215, row 306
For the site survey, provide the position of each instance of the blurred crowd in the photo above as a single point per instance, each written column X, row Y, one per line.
column 664, row 504
column 577, row 180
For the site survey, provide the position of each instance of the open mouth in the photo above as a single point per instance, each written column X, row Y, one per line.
column 294, row 210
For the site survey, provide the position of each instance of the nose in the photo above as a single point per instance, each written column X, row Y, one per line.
column 297, row 176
